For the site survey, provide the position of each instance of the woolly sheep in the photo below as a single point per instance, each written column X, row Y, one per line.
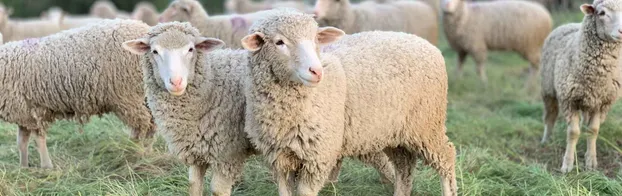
column 402, row 16
column 474, row 28
column 580, row 74
column 146, row 12
column 214, row 122
column 285, row 99
column 107, row 9
column 65, row 21
column 73, row 74
column 249, row 6
column 14, row 30
column 228, row 28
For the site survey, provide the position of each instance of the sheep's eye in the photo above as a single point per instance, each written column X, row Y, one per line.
column 280, row 42
column 601, row 13
column 154, row 52
column 191, row 49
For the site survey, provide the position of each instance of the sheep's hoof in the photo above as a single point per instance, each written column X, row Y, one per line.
column 46, row 166
column 590, row 163
column 566, row 168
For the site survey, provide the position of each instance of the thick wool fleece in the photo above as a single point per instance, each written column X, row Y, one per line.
column 299, row 129
column 413, row 17
column 205, row 125
column 474, row 28
column 77, row 73
column 146, row 12
column 397, row 99
column 228, row 28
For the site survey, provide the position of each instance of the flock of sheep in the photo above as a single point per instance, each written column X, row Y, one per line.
column 302, row 86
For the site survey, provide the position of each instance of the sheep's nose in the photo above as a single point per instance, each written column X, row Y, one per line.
column 176, row 81
column 316, row 71
column 314, row 14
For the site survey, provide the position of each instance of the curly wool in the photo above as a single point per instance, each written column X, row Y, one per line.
column 205, row 125
column 228, row 28
column 76, row 73
column 396, row 98
column 413, row 17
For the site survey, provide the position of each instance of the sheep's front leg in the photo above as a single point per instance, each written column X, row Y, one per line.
column 285, row 181
column 480, row 60
column 196, row 176
column 23, row 137
column 572, row 137
column 42, row 147
column 590, row 154
column 312, row 177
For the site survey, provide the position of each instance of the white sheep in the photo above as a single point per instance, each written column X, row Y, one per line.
column 474, row 28
column 249, row 6
column 16, row 29
column 388, row 88
column 73, row 74
column 581, row 74
column 66, row 21
column 146, row 12
column 413, row 17
column 198, row 107
column 107, row 9
column 228, row 28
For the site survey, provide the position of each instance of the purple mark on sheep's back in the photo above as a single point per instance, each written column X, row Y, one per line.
column 238, row 23
column 30, row 42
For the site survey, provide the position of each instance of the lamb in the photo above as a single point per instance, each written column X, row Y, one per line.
column 474, row 28
column 298, row 122
column 106, row 9
column 413, row 17
column 228, row 28
column 73, row 75
column 580, row 74
column 146, row 12
column 14, row 30
column 214, row 121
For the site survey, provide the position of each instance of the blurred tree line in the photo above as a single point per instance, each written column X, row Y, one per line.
column 33, row 8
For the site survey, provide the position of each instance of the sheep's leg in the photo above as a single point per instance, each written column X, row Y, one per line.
column 334, row 174
column 480, row 60
column 572, row 137
column 42, row 147
column 196, row 176
column 551, row 110
column 382, row 164
column 23, row 138
column 404, row 162
column 285, row 181
column 140, row 121
column 590, row 154
column 460, row 65
column 223, row 180
column 534, row 62
column 311, row 181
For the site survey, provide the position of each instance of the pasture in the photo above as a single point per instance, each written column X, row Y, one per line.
column 496, row 130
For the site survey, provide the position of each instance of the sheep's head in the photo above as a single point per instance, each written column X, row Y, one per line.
column 291, row 40
column 449, row 6
column 145, row 12
column 329, row 9
column 179, row 10
column 607, row 16
column 173, row 50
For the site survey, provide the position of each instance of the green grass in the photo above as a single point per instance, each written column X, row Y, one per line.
column 496, row 130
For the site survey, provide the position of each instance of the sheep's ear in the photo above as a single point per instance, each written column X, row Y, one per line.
column 207, row 44
column 327, row 35
column 253, row 42
column 588, row 9
column 137, row 46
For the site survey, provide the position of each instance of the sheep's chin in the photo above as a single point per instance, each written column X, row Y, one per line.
column 308, row 83
column 176, row 93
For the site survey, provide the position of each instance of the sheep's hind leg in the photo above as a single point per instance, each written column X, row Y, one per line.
column 405, row 163
column 572, row 137
column 551, row 110
column 380, row 161
column 590, row 155
column 480, row 61
column 196, row 177
column 285, row 182
column 42, row 147
column 23, row 138
column 460, row 64
column 311, row 181
column 334, row 174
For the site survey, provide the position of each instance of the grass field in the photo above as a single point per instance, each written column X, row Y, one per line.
column 496, row 130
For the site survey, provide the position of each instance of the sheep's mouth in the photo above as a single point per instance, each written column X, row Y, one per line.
column 176, row 92
column 309, row 82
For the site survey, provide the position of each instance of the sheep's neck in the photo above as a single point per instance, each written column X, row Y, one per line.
column 458, row 17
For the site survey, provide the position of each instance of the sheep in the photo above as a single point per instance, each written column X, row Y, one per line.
column 581, row 74
column 146, row 12
column 249, row 6
column 474, row 28
column 228, row 28
column 214, row 121
column 107, row 9
column 297, row 122
column 73, row 75
column 413, row 17
column 14, row 30
column 65, row 21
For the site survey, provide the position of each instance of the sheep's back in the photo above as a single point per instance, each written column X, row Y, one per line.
column 557, row 52
column 394, row 79
column 399, row 16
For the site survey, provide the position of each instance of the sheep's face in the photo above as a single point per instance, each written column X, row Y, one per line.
column 173, row 56
column 296, row 52
column 325, row 9
column 608, row 19
column 180, row 10
column 449, row 6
